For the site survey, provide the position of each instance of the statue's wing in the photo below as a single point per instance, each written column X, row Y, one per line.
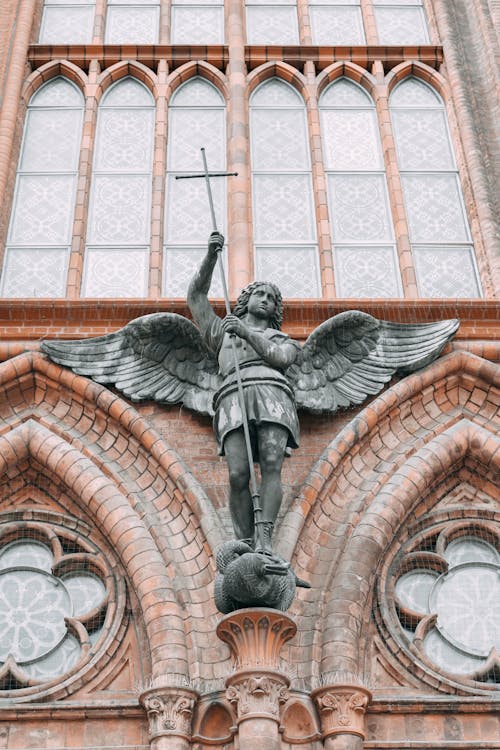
column 352, row 355
column 160, row 356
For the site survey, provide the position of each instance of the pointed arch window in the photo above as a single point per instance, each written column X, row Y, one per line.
column 197, row 117
column 41, row 225
column 336, row 22
column 67, row 22
column 132, row 22
column 283, row 209
column 438, row 226
column 365, row 260
column 401, row 22
column 197, row 22
column 119, row 219
column 272, row 23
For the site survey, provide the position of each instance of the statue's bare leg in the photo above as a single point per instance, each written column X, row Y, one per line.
column 240, row 500
column 272, row 439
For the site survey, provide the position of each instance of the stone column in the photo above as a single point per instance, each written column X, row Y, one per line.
column 169, row 710
column 257, row 688
column 341, row 710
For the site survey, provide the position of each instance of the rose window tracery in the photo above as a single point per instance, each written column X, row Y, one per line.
column 446, row 591
column 57, row 602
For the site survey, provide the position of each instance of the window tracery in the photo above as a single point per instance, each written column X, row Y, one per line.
column 284, row 218
column 438, row 226
column 361, row 224
column 118, row 229
column 41, row 224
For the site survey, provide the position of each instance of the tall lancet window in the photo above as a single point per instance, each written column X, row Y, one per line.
column 365, row 261
column 336, row 22
column 119, row 221
column 438, row 226
column 197, row 118
column 401, row 22
column 197, row 22
column 272, row 23
column 67, row 22
column 284, row 218
column 41, row 225
column 132, row 22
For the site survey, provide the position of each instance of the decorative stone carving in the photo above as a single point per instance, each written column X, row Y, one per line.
column 169, row 710
column 258, row 696
column 256, row 637
column 342, row 709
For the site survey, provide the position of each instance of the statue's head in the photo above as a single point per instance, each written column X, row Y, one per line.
column 241, row 307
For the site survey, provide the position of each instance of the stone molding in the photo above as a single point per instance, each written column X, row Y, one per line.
column 257, row 695
column 169, row 710
column 342, row 709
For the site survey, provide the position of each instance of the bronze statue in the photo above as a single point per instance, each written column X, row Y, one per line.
column 167, row 358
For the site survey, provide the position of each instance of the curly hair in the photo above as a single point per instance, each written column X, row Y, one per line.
column 241, row 306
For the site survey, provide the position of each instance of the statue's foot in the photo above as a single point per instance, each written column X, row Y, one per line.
column 263, row 536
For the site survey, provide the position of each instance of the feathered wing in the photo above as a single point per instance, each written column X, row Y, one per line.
column 352, row 355
column 160, row 356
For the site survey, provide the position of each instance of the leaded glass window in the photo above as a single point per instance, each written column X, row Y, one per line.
column 132, row 22
column 119, row 219
column 283, row 210
column 197, row 22
column 336, row 22
column 41, row 224
column 272, row 23
column 197, row 118
column 365, row 260
column 401, row 22
column 438, row 226
column 67, row 22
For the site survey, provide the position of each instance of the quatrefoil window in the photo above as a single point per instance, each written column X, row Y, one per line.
column 448, row 603
column 53, row 602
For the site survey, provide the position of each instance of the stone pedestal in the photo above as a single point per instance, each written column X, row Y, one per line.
column 169, row 710
column 342, row 713
column 257, row 688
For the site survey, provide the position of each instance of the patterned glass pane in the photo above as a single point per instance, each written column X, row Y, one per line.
column 86, row 592
column 197, row 25
column 187, row 211
column 344, row 93
column 132, row 25
column 31, row 272
column 127, row 93
column 414, row 93
column 422, row 140
column 336, row 25
column 283, row 208
column 293, row 269
column 279, row 139
column 434, row 208
column 190, row 129
column 397, row 2
column 43, row 210
column 57, row 93
column 61, row 660
column 28, row 554
column 470, row 550
column 401, row 26
column 272, row 25
column 444, row 655
column 351, row 139
column 67, row 25
column 366, row 272
column 197, row 93
column 52, row 140
column 125, row 142
column 359, row 209
column 413, row 590
column 119, row 209
column 275, row 2
column 276, row 93
column 180, row 264
column 116, row 272
column 446, row 271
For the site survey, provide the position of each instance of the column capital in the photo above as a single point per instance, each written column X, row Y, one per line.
column 256, row 637
column 257, row 695
column 169, row 710
column 342, row 709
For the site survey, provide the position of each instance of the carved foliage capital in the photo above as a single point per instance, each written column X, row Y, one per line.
column 169, row 711
column 258, row 696
column 342, row 709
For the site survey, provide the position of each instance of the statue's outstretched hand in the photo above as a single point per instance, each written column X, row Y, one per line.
column 215, row 243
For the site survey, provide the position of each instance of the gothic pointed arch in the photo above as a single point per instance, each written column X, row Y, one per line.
column 200, row 68
column 349, row 70
column 277, row 69
column 125, row 68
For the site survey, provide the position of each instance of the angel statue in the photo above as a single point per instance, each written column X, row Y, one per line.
column 168, row 358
